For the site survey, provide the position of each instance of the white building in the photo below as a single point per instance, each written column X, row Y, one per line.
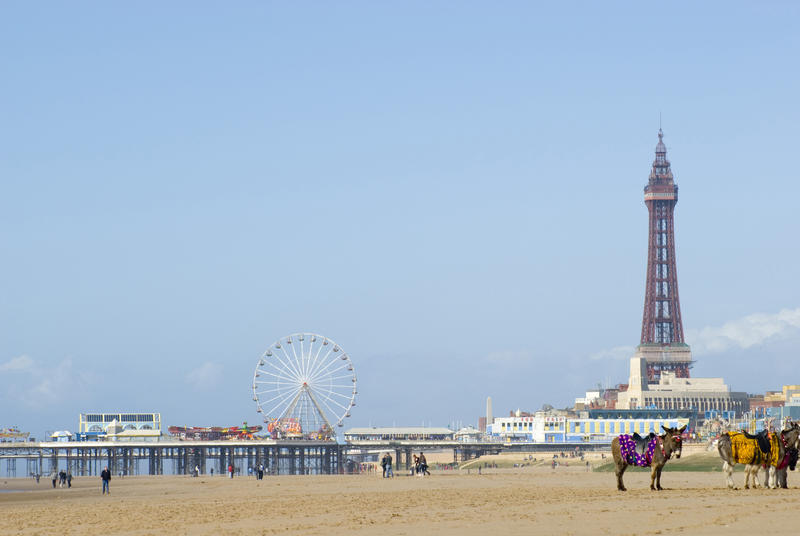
column 545, row 428
column 671, row 392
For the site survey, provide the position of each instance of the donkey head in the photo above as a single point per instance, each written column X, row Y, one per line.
column 791, row 434
column 672, row 440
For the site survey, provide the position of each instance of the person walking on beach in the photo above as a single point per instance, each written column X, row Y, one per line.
column 423, row 465
column 261, row 471
column 386, row 463
column 230, row 470
column 389, row 473
column 54, row 476
column 105, row 476
column 69, row 479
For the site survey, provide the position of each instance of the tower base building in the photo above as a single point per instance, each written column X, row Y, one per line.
column 675, row 393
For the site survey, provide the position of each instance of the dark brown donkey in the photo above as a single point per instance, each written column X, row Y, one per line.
column 666, row 445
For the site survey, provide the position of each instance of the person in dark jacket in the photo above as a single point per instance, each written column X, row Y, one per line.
column 105, row 475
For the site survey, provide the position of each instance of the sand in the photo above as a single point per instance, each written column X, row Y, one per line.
column 531, row 500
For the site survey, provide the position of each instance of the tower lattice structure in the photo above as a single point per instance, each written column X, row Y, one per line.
column 662, row 342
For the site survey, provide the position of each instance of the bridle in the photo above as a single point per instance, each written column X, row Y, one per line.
column 679, row 446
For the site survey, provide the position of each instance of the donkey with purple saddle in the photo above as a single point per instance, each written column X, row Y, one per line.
column 649, row 451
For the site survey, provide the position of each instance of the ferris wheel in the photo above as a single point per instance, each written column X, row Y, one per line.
column 304, row 385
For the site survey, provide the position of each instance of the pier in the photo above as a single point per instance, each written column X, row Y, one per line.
column 86, row 458
column 279, row 457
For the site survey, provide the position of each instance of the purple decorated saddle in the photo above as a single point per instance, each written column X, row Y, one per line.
column 627, row 448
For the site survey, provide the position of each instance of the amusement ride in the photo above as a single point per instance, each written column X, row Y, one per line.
column 304, row 386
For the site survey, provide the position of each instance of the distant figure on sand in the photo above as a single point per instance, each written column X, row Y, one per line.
column 230, row 470
column 54, row 476
column 386, row 463
column 105, row 476
column 69, row 479
column 423, row 465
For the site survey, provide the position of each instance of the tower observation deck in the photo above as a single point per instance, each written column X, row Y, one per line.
column 662, row 343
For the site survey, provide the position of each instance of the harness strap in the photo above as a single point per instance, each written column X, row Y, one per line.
column 785, row 461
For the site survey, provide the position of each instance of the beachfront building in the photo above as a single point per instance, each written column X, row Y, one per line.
column 597, row 426
column 539, row 428
column 61, row 436
column 675, row 393
column 399, row 433
column 119, row 426
column 469, row 434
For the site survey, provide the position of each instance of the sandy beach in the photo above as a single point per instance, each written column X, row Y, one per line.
column 531, row 500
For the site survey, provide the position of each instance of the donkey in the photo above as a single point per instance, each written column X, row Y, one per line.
column 750, row 451
column 781, row 474
column 659, row 450
column 786, row 457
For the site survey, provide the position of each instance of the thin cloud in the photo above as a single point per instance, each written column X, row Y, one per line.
column 37, row 386
column 205, row 376
column 742, row 333
column 15, row 364
column 745, row 332
column 618, row 353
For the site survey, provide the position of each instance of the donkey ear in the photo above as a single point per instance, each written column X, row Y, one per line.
column 666, row 429
column 681, row 429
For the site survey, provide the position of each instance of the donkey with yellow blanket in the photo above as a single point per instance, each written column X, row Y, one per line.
column 765, row 449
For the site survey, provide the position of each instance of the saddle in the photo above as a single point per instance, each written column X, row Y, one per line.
column 762, row 438
column 642, row 441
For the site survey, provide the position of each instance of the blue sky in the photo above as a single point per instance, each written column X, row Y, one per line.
column 452, row 191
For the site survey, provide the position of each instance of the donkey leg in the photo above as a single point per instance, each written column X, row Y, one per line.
column 756, row 481
column 771, row 480
column 754, row 475
column 782, row 478
column 658, row 478
column 620, row 470
column 653, row 474
column 728, row 470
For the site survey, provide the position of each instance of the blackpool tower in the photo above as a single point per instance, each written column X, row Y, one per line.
column 662, row 345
